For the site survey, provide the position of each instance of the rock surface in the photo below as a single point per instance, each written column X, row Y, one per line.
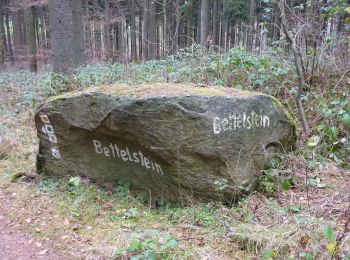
column 171, row 142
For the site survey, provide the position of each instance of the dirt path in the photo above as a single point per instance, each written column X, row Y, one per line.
column 15, row 244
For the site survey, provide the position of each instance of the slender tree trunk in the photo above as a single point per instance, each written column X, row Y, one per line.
column 252, row 18
column 121, row 40
column 177, row 25
column 30, row 15
column 133, row 30
column 189, row 32
column 61, row 35
column 17, row 29
column 78, row 43
column 98, row 46
column 204, row 22
column 8, row 32
column 47, row 26
column 165, row 31
column 2, row 35
column 298, row 66
column 152, row 31
column 107, row 31
column 145, row 26
column 215, row 23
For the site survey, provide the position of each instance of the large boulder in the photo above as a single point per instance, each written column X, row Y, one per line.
column 171, row 142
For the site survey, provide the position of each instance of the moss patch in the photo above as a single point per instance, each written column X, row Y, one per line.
column 156, row 90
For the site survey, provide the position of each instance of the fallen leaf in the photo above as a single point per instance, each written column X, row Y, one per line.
column 108, row 205
column 43, row 252
column 304, row 240
column 64, row 237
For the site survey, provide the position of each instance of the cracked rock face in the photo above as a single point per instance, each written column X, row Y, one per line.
column 172, row 142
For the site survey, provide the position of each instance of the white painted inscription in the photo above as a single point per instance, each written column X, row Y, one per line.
column 112, row 150
column 236, row 121
column 48, row 129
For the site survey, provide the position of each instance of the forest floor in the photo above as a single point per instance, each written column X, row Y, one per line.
column 48, row 217
column 43, row 215
column 17, row 244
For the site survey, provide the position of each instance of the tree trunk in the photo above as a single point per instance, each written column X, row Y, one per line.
column 204, row 22
column 2, row 35
column 78, row 43
column 165, row 29
column 96, row 31
column 120, row 40
column 145, row 26
column 107, row 31
column 152, row 31
column 8, row 33
column 215, row 24
column 252, row 19
column 17, row 29
column 29, row 15
column 298, row 66
column 133, row 30
column 61, row 35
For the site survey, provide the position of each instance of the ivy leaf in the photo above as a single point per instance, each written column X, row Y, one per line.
column 172, row 243
column 329, row 233
column 135, row 246
column 131, row 213
column 286, row 185
column 313, row 141
column 345, row 119
column 74, row 181
column 295, row 208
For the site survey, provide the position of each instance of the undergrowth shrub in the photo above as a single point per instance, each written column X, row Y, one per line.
column 53, row 84
column 331, row 135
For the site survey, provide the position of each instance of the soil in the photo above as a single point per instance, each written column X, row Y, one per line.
column 16, row 244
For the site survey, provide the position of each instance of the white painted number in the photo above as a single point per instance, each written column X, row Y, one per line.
column 48, row 129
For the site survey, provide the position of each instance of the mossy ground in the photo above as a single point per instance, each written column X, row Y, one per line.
column 88, row 222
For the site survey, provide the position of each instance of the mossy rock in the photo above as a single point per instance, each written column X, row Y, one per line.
column 173, row 142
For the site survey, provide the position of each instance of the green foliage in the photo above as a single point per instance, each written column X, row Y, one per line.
column 152, row 246
column 272, row 179
column 98, row 74
column 306, row 256
column 331, row 238
column 240, row 68
column 48, row 185
column 296, row 208
column 131, row 213
column 75, row 187
column 331, row 136
column 53, row 84
column 74, row 181
column 270, row 254
column 123, row 188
